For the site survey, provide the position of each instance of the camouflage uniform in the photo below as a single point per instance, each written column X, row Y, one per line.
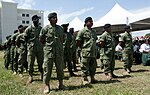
column 88, row 51
column 126, row 38
column 68, row 52
column 14, row 53
column 53, row 51
column 22, row 50
column 74, row 52
column 34, row 47
column 7, row 46
column 107, row 53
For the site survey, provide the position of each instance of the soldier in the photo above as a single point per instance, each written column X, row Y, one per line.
column 22, row 50
column 15, row 54
column 107, row 52
column 74, row 49
column 7, row 46
column 34, row 47
column 12, row 51
column 67, row 49
column 86, row 40
column 51, row 37
column 126, row 43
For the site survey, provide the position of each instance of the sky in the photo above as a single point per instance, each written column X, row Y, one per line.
column 68, row 9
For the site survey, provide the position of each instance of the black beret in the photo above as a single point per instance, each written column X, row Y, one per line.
column 71, row 29
column 52, row 15
column 127, row 27
column 87, row 19
column 65, row 25
column 35, row 17
column 107, row 26
column 20, row 26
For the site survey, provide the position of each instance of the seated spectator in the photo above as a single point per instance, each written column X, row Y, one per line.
column 118, row 50
column 137, row 54
column 145, row 49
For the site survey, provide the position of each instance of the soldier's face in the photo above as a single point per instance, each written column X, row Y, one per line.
column 36, row 20
column 21, row 29
column 53, row 20
column 90, row 23
column 128, row 30
column 108, row 29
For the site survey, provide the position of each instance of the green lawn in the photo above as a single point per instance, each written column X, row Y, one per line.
column 137, row 83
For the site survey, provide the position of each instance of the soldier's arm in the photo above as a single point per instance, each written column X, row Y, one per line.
column 121, row 40
column 102, row 41
column 79, row 39
column 17, row 41
column 42, row 36
column 26, row 34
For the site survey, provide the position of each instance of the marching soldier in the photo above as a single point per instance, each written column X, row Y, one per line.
column 126, row 42
column 67, row 49
column 22, row 50
column 86, row 40
column 107, row 52
column 51, row 37
column 7, row 46
column 34, row 47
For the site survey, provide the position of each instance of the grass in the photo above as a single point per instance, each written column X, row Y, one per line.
column 137, row 83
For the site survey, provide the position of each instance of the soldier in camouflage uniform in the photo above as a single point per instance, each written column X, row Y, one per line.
column 15, row 53
column 34, row 47
column 86, row 40
column 67, row 49
column 12, row 51
column 107, row 52
column 127, row 53
column 51, row 37
column 7, row 46
column 22, row 50
column 74, row 49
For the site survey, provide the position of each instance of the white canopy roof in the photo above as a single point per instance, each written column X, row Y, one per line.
column 117, row 15
column 76, row 23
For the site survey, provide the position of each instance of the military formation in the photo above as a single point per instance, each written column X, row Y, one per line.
column 55, row 45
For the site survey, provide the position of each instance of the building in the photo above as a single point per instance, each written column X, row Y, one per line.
column 11, row 17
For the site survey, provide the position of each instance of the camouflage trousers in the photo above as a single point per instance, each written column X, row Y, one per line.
column 88, row 66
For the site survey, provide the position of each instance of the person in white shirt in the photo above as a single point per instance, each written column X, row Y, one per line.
column 118, row 50
column 145, row 49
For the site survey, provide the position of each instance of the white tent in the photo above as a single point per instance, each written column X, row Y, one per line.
column 76, row 23
column 117, row 15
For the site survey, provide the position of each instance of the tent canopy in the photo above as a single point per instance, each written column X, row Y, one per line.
column 118, row 17
column 76, row 23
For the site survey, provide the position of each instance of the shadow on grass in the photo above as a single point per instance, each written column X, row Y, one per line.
column 124, row 76
column 87, row 85
column 75, row 87
column 118, row 68
column 140, row 70
column 107, row 81
column 65, row 78
column 99, row 73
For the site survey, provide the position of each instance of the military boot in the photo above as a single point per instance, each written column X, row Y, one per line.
column 85, row 81
column 30, row 80
column 47, row 89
